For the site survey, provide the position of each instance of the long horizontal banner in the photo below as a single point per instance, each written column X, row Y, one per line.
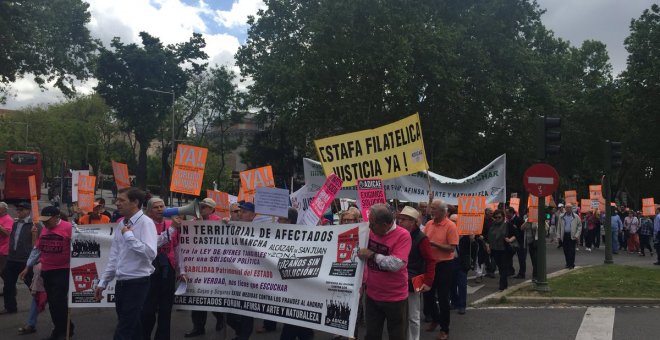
column 490, row 182
column 300, row 275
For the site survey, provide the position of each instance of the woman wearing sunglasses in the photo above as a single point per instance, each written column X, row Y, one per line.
column 500, row 235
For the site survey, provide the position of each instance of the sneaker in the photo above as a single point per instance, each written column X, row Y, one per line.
column 577, row 248
column 588, row 249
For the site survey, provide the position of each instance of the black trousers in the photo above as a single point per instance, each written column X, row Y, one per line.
column 292, row 332
column 10, row 276
column 533, row 249
column 56, row 283
column 441, row 289
column 159, row 302
column 242, row 325
column 130, row 296
column 199, row 319
column 569, row 250
column 503, row 261
column 394, row 312
column 591, row 236
column 645, row 242
column 522, row 259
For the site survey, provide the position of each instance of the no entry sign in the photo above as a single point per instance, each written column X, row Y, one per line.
column 541, row 180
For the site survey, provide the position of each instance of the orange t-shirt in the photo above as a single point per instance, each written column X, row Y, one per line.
column 85, row 219
column 444, row 232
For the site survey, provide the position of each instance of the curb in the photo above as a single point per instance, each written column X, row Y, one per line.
column 503, row 296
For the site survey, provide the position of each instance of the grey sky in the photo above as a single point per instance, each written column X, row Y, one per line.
column 604, row 20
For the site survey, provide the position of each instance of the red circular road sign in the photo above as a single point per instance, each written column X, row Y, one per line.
column 541, row 179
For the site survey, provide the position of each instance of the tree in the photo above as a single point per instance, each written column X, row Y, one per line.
column 126, row 70
column 45, row 38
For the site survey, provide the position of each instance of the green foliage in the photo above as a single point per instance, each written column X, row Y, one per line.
column 45, row 38
column 126, row 69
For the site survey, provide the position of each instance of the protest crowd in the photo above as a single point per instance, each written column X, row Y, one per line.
column 416, row 263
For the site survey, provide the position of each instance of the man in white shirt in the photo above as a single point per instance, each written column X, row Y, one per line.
column 131, row 255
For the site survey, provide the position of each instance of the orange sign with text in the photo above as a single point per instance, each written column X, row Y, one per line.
column 514, row 202
column 221, row 202
column 648, row 206
column 188, row 171
column 253, row 178
column 34, row 200
column 570, row 196
column 120, row 171
column 532, row 208
column 86, row 192
column 471, row 211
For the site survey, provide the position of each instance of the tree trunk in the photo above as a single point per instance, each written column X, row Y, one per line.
column 141, row 176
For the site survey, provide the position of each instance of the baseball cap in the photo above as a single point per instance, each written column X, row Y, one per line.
column 410, row 212
column 249, row 206
column 561, row 205
column 48, row 212
column 209, row 202
column 24, row 205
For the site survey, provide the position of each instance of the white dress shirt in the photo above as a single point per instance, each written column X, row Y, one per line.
column 133, row 252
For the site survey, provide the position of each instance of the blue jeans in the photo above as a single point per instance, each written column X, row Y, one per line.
column 458, row 286
column 130, row 296
column 615, row 241
column 34, row 313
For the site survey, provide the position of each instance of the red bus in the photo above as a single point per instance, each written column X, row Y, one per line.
column 15, row 168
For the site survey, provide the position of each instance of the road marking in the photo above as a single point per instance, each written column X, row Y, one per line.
column 540, row 180
column 597, row 324
column 472, row 290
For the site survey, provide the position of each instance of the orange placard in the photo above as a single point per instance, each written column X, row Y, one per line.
column 550, row 201
column 221, row 202
column 32, row 181
column 570, row 196
column 253, row 178
column 493, row 206
column 188, row 171
column 86, row 192
column 585, row 205
column 648, row 206
column 514, row 203
column 532, row 208
column 120, row 171
column 471, row 211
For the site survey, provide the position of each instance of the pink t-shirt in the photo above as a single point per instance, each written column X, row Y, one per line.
column 213, row 217
column 55, row 246
column 168, row 248
column 6, row 223
column 384, row 285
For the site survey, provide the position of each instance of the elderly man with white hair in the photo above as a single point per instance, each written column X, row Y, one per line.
column 443, row 236
column 570, row 228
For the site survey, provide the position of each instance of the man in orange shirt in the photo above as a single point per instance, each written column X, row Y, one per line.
column 443, row 237
column 95, row 217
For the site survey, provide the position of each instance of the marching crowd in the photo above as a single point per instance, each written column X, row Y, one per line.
column 416, row 263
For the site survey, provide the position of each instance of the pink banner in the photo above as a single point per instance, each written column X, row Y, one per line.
column 370, row 192
column 322, row 200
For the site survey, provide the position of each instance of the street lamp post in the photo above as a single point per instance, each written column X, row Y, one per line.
column 172, row 150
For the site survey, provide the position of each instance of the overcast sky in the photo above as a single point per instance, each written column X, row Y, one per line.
column 223, row 24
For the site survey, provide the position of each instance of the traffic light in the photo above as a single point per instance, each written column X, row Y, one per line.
column 548, row 136
column 613, row 154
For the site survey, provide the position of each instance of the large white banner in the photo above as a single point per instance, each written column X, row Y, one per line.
column 90, row 248
column 490, row 181
column 300, row 275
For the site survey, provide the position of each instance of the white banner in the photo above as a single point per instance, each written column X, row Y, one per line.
column 300, row 275
column 490, row 181
column 90, row 248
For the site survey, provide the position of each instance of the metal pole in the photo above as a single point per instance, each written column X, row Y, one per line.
column 172, row 155
column 541, row 277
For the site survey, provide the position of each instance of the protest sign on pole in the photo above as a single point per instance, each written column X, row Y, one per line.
column 514, row 203
column 570, row 196
column 86, row 192
column 648, row 206
column 34, row 200
column 489, row 181
column 370, row 192
column 252, row 179
column 188, row 172
column 322, row 200
column 221, row 202
column 550, row 201
column 120, row 172
column 309, row 277
column 271, row 202
column 386, row 152
column 90, row 249
column 471, row 211
column 532, row 208
column 596, row 195
column 585, row 205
